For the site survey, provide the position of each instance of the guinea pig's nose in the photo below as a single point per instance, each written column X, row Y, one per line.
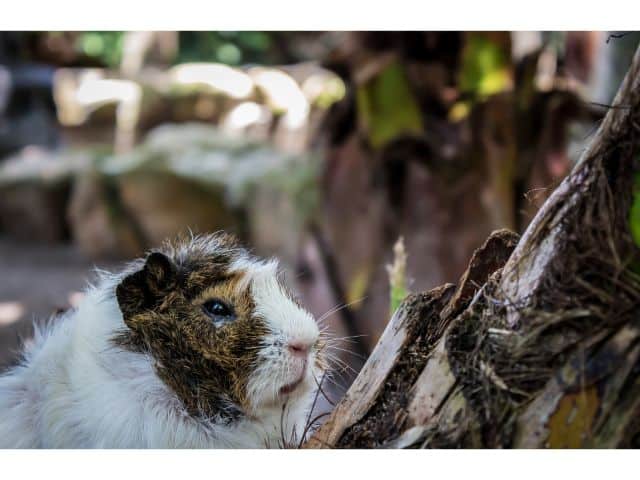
column 299, row 349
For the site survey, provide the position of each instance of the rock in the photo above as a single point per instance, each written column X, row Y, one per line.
column 34, row 212
column 98, row 224
column 163, row 206
column 192, row 177
column 34, row 190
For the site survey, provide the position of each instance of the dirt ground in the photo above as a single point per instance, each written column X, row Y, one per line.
column 36, row 280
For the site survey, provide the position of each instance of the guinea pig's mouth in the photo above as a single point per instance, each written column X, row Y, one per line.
column 291, row 387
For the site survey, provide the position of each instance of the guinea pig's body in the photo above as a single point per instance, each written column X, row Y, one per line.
column 198, row 346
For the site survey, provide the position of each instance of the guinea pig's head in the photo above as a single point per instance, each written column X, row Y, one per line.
column 225, row 335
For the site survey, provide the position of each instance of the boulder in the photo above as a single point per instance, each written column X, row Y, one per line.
column 34, row 191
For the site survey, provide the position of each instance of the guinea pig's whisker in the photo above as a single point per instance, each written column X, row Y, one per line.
column 341, row 387
column 339, row 380
column 333, row 347
column 335, row 375
column 328, row 313
column 349, row 339
column 335, row 358
column 338, row 308
column 324, row 330
column 344, row 367
column 332, row 340
column 339, row 344
column 330, row 350
column 332, row 363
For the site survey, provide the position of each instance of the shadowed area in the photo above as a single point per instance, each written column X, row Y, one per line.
column 37, row 280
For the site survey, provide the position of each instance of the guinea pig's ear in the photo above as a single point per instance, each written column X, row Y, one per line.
column 145, row 289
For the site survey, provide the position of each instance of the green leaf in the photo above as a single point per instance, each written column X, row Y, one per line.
column 387, row 107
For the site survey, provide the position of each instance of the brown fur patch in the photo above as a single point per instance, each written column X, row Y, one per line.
column 207, row 366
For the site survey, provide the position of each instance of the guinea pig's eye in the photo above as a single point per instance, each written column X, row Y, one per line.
column 219, row 311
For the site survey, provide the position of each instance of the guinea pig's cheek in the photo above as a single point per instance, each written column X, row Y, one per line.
column 264, row 378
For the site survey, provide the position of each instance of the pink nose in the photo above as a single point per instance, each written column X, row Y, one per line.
column 299, row 349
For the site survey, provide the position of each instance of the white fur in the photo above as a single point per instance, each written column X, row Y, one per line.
column 75, row 389
column 288, row 324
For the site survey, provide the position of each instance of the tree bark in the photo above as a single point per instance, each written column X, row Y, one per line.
column 539, row 344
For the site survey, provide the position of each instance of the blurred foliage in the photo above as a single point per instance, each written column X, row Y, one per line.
column 105, row 47
column 212, row 159
column 387, row 106
column 300, row 184
column 357, row 286
column 231, row 48
column 334, row 91
column 485, row 67
column 484, row 71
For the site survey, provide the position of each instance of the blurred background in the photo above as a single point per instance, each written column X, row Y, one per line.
column 320, row 148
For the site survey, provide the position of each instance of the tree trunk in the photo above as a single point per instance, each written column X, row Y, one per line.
column 428, row 134
column 539, row 344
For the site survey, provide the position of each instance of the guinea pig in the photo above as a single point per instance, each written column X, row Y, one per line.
column 198, row 345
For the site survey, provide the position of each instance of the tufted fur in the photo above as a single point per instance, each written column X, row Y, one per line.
column 139, row 364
